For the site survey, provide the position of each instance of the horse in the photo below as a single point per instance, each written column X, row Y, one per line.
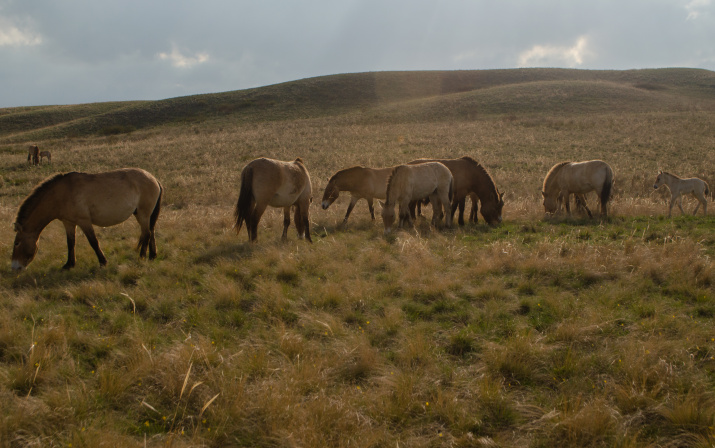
column 678, row 187
column 408, row 183
column 471, row 177
column 33, row 155
column 577, row 178
column 45, row 154
column 361, row 182
column 279, row 184
column 84, row 200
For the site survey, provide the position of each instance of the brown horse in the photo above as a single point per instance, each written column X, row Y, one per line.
column 279, row 184
column 471, row 177
column 577, row 178
column 81, row 199
column 361, row 182
column 33, row 155
column 46, row 154
column 408, row 183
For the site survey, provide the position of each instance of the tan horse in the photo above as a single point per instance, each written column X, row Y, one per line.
column 471, row 177
column 33, row 155
column 47, row 155
column 361, row 182
column 81, row 199
column 408, row 183
column 279, row 184
column 678, row 187
column 577, row 178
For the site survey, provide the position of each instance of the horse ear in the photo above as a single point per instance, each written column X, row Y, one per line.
column 17, row 227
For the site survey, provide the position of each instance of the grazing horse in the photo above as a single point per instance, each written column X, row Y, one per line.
column 408, row 183
column 45, row 154
column 470, row 177
column 33, row 155
column 361, row 182
column 82, row 199
column 577, row 178
column 279, row 184
column 678, row 187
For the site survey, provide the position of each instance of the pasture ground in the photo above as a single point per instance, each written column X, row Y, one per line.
column 540, row 332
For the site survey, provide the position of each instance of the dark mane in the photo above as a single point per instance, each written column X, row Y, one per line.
column 550, row 176
column 485, row 176
column 389, row 182
column 36, row 195
column 671, row 174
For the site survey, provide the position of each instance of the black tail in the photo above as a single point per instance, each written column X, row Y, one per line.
column 243, row 206
column 607, row 188
column 157, row 209
column 451, row 189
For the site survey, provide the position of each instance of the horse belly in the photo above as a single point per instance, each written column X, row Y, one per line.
column 283, row 199
column 106, row 215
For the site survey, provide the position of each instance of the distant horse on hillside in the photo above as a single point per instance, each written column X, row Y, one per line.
column 408, row 183
column 361, row 182
column 678, row 187
column 471, row 177
column 33, row 155
column 47, row 155
column 81, row 199
column 279, row 184
column 577, row 178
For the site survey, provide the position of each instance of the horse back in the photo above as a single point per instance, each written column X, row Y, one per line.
column 278, row 183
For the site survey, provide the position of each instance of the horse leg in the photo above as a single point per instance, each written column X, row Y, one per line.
column 372, row 210
column 70, row 230
column 566, row 198
column 461, row 205
column 353, row 200
column 680, row 204
column 286, row 223
column 255, row 218
column 92, row 238
column 701, row 200
column 306, row 220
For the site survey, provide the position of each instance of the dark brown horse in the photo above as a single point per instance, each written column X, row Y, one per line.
column 81, row 199
column 471, row 177
column 33, row 155
column 279, row 184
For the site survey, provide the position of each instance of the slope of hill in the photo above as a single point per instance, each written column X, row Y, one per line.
column 409, row 96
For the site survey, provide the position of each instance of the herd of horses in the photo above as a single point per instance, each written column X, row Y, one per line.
column 35, row 156
column 109, row 198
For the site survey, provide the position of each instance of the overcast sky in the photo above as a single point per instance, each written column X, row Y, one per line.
column 81, row 51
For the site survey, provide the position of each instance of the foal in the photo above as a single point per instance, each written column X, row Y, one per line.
column 678, row 187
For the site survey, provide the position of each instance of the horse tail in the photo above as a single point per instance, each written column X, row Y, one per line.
column 607, row 187
column 243, row 206
column 451, row 189
column 157, row 209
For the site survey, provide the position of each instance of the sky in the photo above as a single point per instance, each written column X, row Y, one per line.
column 85, row 51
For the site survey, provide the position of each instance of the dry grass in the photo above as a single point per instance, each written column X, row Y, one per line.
column 561, row 332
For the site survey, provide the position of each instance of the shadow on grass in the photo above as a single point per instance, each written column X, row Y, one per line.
column 237, row 251
column 57, row 277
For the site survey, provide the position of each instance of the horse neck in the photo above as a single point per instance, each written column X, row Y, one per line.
column 42, row 213
column 483, row 185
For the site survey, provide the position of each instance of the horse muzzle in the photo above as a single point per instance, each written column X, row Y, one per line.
column 655, row 187
column 325, row 205
column 16, row 266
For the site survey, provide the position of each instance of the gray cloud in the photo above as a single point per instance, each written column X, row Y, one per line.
column 85, row 51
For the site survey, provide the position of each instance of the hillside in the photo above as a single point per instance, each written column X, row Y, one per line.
column 402, row 96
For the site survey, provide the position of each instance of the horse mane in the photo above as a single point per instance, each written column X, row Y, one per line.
column 389, row 181
column 36, row 196
column 490, row 181
column 671, row 174
column 345, row 170
column 551, row 175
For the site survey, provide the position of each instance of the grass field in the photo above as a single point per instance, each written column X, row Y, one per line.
column 539, row 332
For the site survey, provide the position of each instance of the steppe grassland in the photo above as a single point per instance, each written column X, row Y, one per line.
column 541, row 333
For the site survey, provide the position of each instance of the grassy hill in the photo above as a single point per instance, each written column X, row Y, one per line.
column 402, row 96
column 541, row 332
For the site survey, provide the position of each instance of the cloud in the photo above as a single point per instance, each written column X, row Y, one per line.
column 546, row 55
column 695, row 8
column 180, row 61
column 12, row 36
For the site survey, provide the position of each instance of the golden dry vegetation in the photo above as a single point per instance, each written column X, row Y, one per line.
column 539, row 332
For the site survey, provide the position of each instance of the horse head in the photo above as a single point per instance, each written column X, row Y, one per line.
column 330, row 195
column 24, row 249
column 551, row 202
